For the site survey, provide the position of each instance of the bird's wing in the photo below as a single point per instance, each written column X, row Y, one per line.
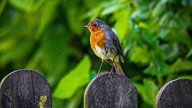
column 117, row 44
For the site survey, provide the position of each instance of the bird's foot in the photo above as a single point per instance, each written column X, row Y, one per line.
column 98, row 74
column 110, row 74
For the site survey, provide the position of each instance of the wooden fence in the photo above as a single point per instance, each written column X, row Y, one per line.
column 29, row 89
column 25, row 89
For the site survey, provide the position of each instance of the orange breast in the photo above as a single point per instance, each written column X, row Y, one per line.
column 98, row 39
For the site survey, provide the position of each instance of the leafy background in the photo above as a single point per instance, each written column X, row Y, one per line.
column 47, row 36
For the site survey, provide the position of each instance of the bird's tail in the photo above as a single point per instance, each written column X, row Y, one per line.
column 118, row 68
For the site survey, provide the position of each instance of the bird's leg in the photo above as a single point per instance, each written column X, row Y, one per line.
column 99, row 72
column 112, row 68
column 111, row 71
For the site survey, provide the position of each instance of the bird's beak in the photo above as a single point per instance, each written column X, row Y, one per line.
column 86, row 26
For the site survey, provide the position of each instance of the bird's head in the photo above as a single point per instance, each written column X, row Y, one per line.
column 95, row 25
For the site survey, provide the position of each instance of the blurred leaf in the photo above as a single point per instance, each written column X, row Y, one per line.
column 76, row 78
column 181, row 37
column 159, row 8
column 110, row 7
column 174, row 24
column 74, row 15
column 148, row 91
column 164, row 21
column 55, row 50
column 186, row 77
column 143, row 25
column 157, row 66
column 180, row 65
column 151, row 70
column 150, row 39
column 35, row 61
column 140, row 15
column 27, row 5
column 140, row 55
column 171, row 51
column 22, row 49
column 189, row 53
column 2, row 5
column 123, row 25
column 48, row 11
column 186, row 2
column 76, row 99
column 6, row 44
column 164, row 32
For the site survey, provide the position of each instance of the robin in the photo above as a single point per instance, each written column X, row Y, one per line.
column 105, row 44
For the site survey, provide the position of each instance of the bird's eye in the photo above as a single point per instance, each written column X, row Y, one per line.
column 95, row 25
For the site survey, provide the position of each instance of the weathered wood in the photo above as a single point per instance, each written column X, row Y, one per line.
column 175, row 94
column 115, row 92
column 25, row 89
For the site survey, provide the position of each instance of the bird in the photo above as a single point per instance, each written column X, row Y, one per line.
column 106, row 45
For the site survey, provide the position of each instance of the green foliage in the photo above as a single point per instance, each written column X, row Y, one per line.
column 27, row 5
column 148, row 91
column 75, row 79
column 140, row 55
column 47, row 36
